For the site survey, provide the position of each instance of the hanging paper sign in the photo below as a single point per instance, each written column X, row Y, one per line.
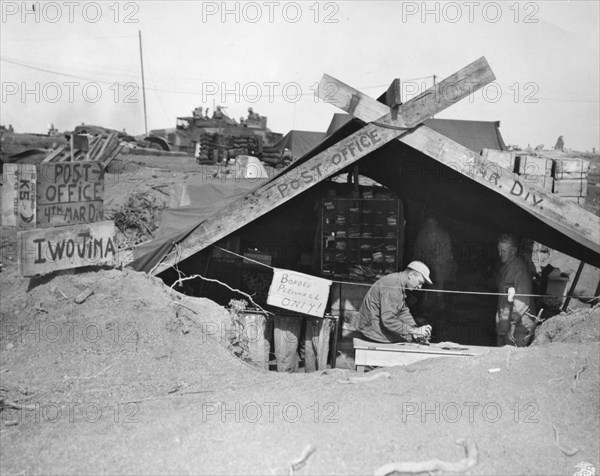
column 299, row 292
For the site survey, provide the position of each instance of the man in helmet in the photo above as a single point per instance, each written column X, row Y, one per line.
column 384, row 315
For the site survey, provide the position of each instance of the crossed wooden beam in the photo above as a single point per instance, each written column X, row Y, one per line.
column 383, row 125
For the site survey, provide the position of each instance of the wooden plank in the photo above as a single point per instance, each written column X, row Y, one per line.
column 408, row 347
column 69, row 193
column 55, row 153
column 331, row 161
column 112, row 156
column 390, row 355
column 382, row 358
column 504, row 158
column 95, row 145
column 571, row 188
column 103, row 141
column 51, row 249
column 10, row 194
column 107, row 147
column 80, row 155
column 566, row 217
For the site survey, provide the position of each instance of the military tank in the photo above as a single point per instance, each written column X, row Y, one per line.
column 216, row 138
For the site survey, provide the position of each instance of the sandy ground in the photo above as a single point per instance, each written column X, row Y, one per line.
column 141, row 380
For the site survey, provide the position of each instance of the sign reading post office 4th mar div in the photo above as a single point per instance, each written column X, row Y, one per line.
column 299, row 292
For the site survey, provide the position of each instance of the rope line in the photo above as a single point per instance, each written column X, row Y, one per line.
column 446, row 291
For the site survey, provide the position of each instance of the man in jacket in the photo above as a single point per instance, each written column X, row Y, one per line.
column 384, row 315
column 514, row 325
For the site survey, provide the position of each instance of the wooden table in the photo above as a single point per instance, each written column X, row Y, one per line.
column 404, row 353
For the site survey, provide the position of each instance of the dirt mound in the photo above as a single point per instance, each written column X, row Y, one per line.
column 582, row 325
column 135, row 380
column 131, row 338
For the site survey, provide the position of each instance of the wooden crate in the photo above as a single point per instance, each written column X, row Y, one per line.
column 571, row 188
column 542, row 181
column 531, row 165
column 571, row 168
column 578, row 200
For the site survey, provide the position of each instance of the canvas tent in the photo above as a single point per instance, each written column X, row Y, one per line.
column 298, row 142
column 475, row 135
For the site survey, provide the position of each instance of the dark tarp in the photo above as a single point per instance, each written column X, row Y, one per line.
column 176, row 223
column 474, row 135
column 299, row 142
column 337, row 121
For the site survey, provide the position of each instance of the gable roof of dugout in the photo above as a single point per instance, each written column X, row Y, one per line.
column 179, row 222
column 413, row 174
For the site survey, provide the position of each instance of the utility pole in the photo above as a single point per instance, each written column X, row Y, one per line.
column 143, row 84
column 434, row 81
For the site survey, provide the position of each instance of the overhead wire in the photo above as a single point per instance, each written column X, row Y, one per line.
column 302, row 93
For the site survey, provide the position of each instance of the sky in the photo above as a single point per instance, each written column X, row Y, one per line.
column 64, row 63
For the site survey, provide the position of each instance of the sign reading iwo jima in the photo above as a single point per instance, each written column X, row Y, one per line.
column 45, row 250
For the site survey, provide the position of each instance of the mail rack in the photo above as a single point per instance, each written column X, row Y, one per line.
column 362, row 238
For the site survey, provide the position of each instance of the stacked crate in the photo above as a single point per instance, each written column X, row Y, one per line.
column 535, row 170
column 570, row 179
column 551, row 170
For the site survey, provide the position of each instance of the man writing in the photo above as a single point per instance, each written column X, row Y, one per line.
column 384, row 315
column 513, row 324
